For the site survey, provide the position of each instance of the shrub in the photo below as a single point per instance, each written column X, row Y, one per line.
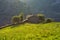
column 49, row 20
column 41, row 17
column 16, row 20
column 21, row 16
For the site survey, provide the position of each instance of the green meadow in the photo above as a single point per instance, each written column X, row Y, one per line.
column 28, row 31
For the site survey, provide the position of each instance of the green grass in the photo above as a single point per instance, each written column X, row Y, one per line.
column 48, row 31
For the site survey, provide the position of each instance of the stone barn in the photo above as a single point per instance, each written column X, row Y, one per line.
column 33, row 19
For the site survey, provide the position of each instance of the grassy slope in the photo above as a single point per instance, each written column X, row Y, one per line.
column 50, row 31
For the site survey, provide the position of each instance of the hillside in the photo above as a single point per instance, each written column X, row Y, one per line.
column 48, row 31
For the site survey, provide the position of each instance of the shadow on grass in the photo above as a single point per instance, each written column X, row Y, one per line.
column 12, row 25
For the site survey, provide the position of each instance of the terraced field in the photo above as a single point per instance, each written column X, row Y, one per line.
column 47, row 31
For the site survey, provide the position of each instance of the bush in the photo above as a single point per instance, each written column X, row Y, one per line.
column 49, row 20
column 16, row 20
column 21, row 16
column 41, row 17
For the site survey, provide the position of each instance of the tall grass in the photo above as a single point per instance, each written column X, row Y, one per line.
column 49, row 31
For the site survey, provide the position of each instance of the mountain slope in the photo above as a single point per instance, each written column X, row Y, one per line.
column 49, row 31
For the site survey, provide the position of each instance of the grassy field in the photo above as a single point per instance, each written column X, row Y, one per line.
column 48, row 31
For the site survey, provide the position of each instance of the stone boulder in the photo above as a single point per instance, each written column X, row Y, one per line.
column 33, row 19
